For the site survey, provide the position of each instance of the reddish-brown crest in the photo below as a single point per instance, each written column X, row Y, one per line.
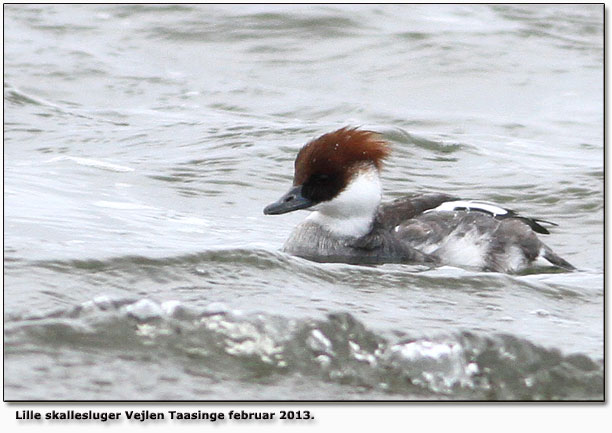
column 338, row 151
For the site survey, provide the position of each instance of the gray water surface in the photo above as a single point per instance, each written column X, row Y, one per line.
column 143, row 142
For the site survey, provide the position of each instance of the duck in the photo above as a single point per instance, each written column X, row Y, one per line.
column 337, row 178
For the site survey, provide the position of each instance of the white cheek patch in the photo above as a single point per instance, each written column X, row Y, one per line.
column 470, row 205
column 352, row 212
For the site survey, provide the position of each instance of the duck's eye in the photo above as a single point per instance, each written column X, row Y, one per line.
column 322, row 187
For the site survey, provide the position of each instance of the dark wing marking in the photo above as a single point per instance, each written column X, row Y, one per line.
column 534, row 223
column 495, row 211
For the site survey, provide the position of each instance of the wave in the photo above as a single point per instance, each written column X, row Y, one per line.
column 222, row 261
column 19, row 97
column 337, row 349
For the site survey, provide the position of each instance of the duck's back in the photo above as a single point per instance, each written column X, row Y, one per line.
column 473, row 237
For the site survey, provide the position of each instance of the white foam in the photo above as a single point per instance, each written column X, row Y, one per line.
column 144, row 309
column 318, row 341
column 102, row 165
column 171, row 307
column 121, row 205
column 427, row 349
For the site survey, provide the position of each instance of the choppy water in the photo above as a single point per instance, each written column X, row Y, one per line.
column 142, row 143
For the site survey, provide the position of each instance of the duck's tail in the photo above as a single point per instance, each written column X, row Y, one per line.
column 556, row 260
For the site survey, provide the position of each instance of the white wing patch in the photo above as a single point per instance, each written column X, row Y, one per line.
column 469, row 205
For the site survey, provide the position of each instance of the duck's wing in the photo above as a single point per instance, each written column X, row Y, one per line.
column 397, row 211
column 493, row 210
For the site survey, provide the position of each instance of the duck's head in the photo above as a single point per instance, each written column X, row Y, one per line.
column 336, row 174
